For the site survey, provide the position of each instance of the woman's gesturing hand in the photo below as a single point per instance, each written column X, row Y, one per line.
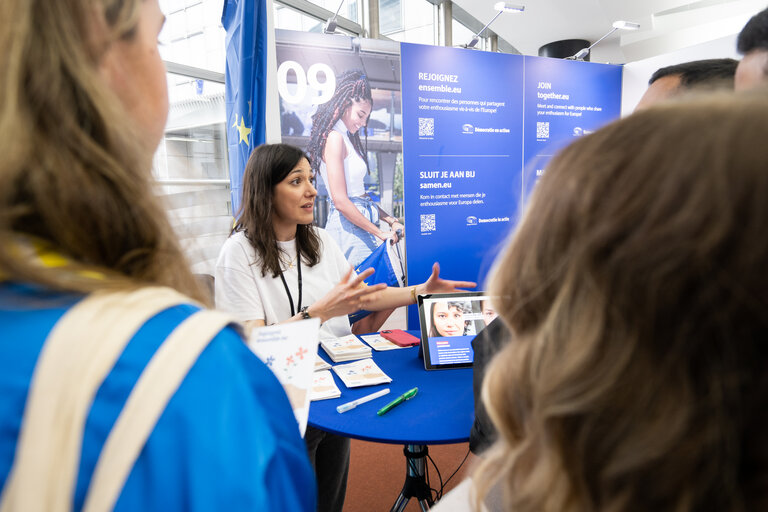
column 345, row 298
column 435, row 284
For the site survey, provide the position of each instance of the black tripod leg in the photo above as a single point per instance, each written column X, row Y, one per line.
column 415, row 479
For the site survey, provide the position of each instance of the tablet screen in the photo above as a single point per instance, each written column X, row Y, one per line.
column 449, row 323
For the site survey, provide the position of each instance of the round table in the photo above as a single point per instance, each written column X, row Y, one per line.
column 441, row 413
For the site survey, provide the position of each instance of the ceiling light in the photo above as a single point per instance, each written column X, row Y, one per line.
column 617, row 25
column 501, row 7
column 507, row 7
column 626, row 25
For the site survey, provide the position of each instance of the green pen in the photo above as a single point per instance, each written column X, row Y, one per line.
column 397, row 401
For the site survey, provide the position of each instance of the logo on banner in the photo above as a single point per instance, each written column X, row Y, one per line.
column 578, row 131
column 467, row 128
column 471, row 221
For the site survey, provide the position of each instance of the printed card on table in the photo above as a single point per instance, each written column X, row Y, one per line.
column 324, row 386
column 378, row 343
column 348, row 343
column 290, row 350
column 364, row 372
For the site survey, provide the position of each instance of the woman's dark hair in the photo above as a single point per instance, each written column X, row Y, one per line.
column 461, row 306
column 267, row 166
column 350, row 86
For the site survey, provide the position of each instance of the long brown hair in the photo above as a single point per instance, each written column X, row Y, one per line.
column 637, row 290
column 267, row 166
column 72, row 172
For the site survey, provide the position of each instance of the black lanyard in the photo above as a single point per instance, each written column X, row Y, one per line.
column 290, row 297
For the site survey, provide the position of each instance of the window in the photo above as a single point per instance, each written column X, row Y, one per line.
column 390, row 16
column 417, row 27
column 193, row 34
column 191, row 169
column 290, row 17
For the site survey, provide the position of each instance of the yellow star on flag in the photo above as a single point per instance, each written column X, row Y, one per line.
column 234, row 125
column 244, row 132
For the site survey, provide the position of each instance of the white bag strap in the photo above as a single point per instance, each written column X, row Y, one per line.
column 77, row 355
column 157, row 384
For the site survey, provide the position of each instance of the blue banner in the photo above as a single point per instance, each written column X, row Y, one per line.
column 245, row 85
column 478, row 128
column 462, row 152
column 564, row 100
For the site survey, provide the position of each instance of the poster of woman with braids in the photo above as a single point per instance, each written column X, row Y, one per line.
column 340, row 101
column 339, row 157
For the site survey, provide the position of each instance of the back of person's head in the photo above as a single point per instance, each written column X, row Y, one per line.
column 636, row 290
column 753, row 44
column 75, row 171
column 268, row 165
column 713, row 73
column 754, row 35
column 672, row 81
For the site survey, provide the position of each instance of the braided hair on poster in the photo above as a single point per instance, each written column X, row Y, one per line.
column 350, row 86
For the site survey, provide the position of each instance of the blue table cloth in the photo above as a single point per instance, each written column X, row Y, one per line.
column 441, row 412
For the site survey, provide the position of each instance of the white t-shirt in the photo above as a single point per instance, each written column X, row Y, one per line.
column 242, row 291
column 354, row 166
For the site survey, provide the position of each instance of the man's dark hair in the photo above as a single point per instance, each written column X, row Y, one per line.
column 700, row 72
column 754, row 35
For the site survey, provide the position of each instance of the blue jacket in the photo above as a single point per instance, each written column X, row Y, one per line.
column 227, row 440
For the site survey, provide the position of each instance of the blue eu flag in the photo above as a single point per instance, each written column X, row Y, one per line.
column 245, row 85
column 385, row 272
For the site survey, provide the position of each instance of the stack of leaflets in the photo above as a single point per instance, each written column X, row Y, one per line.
column 324, row 387
column 361, row 373
column 320, row 364
column 346, row 348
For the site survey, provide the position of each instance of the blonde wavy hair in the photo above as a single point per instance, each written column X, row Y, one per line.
column 72, row 172
column 637, row 290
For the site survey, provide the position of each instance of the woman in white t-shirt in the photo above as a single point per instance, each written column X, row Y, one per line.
column 276, row 267
column 337, row 154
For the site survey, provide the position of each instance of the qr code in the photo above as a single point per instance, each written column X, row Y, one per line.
column 542, row 130
column 427, row 222
column 426, row 127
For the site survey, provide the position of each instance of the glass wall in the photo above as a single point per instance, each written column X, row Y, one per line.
column 190, row 165
column 290, row 18
column 417, row 27
column 193, row 34
column 191, row 169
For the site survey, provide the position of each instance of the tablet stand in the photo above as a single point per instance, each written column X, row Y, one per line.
column 415, row 479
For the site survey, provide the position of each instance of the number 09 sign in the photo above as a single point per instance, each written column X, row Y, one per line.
column 321, row 91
